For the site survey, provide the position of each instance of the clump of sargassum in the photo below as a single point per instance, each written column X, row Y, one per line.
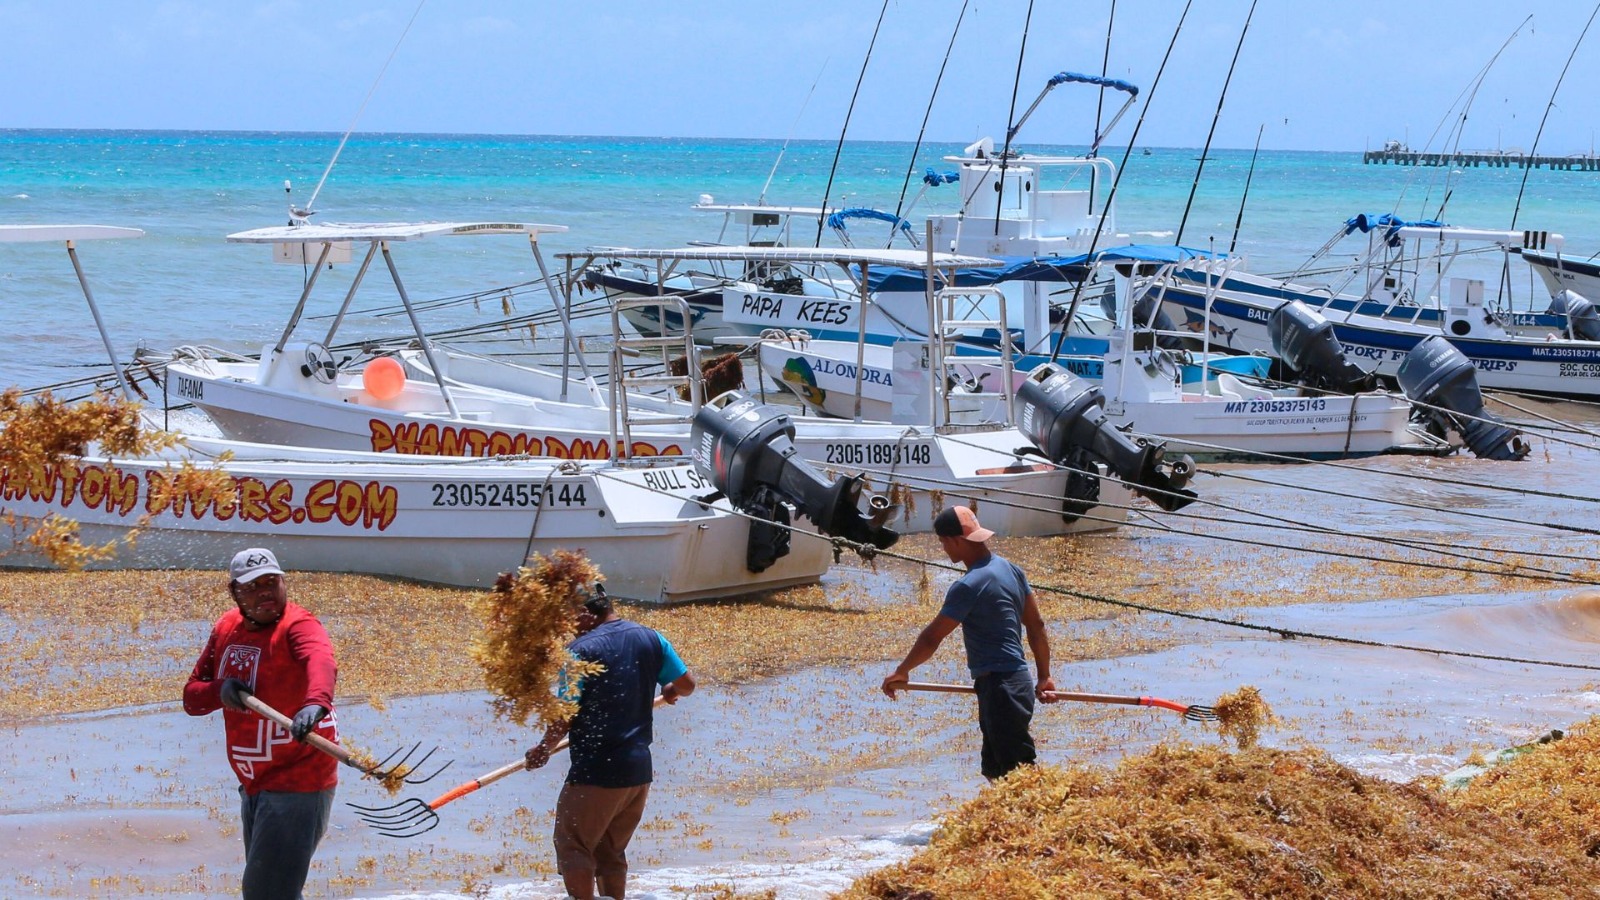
column 527, row 621
column 391, row 779
column 1185, row 821
column 40, row 434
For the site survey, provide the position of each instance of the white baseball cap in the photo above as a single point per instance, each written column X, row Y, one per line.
column 248, row 565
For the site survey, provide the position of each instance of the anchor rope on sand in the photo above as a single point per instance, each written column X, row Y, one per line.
column 1285, row 633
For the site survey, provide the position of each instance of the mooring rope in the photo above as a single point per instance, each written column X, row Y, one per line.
column 869, row 553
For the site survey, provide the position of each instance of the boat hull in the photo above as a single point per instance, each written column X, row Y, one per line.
column 457, row 523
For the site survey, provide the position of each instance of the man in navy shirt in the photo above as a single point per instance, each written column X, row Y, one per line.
column 994, row 607
column 604, row 796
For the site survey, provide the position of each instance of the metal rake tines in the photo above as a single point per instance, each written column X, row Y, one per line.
column 1198, row 713
column 390, row 768
column 405, row 819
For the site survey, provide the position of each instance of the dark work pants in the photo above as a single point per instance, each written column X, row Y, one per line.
column 281, row 831
column 1005, row 709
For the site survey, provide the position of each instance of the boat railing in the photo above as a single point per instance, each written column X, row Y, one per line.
column 625, row 381
column 956, row 310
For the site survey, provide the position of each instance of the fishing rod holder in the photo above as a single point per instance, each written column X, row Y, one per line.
column 747, row 450
column 1064, row 416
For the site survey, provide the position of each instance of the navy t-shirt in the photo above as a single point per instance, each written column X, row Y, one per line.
column 988, row 602
column 611, row 734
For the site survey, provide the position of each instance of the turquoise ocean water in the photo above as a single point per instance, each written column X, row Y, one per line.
column 182, row 283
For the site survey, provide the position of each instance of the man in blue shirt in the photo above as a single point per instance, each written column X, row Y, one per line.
column 604, row 796
column 994, row 607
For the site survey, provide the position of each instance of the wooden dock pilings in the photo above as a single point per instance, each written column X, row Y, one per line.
column 1490, row 159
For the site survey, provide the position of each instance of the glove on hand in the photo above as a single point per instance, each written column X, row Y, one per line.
column 305, row 721
column 233, row 693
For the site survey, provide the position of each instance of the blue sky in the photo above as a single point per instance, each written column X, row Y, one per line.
column 1328, row 76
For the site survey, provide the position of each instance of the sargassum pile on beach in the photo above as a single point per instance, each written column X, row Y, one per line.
column 1184, row 822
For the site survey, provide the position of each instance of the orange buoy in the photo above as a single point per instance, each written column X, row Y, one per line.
column 384, row 378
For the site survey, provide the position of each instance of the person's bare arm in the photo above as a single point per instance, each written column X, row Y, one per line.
column 922, row 650
column 678, row 688
column 1039, row 643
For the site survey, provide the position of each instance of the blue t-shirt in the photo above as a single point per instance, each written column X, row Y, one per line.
column 611, row 734
column 988, row 602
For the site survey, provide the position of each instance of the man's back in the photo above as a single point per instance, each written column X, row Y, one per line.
column 988, row 602
column 611, row 733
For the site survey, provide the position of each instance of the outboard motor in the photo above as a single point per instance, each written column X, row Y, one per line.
column 1583, row 322
column 1065, row 417
column 1305, row 341
column 747, row 449
column 1437, row 374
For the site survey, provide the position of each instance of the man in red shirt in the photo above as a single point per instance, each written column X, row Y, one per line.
column 279, row 652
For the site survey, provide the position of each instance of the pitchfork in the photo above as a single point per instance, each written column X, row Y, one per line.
column 387, row 769
column 1191, row 712
column 413, row 816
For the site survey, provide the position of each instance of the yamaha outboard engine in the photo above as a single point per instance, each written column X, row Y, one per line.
column 1065, row 417
column 1437, row 374
column 1583, row 321
column 1305, row 341
column 747, row 449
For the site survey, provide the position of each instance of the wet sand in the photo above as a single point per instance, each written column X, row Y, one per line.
column 785, row 781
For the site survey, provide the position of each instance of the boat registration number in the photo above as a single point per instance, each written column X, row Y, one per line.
column 486, row 494
column 1580, row 370
column 920, row 454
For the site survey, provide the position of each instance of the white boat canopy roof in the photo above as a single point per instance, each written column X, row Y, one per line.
column 23, row 234
column 1550, row 240
column 843, row 256
column 391, row 231
column 753, row 208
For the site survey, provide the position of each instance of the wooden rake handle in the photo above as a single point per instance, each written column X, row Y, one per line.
column 1073, row 696
column 488, row 778
column 314, row 739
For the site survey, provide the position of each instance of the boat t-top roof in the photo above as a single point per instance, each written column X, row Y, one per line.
column 383, row 231
column 24, row 234
column 70, row 234
column 813, row 212
column 843, row 256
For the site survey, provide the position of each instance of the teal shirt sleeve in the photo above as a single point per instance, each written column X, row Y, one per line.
column 672, row 668
column 568, row 688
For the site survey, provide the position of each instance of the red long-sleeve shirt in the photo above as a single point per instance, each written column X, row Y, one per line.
column 286, row 666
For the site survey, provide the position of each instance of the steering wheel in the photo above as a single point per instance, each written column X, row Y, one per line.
column 319, row 364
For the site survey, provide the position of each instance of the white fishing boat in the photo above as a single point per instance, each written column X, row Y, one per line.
column 652, row 526
column 1143, row 386
column 648, row 525
column 1392, row 311
column 1023, row 212
column 454, row 404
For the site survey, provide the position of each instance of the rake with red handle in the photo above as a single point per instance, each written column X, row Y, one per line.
column 414, row 816
column 1190, row 711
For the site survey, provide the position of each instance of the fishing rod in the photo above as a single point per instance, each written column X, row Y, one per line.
column 1100, row 98
column 1011, row 118
column 1534, row 150
column 822, row 215
column 1094, row 239
column 1216, row 116
column 1248, row 177
column 911, row 164
column 792, row 126
column 1470, row 93
column 302, row 214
